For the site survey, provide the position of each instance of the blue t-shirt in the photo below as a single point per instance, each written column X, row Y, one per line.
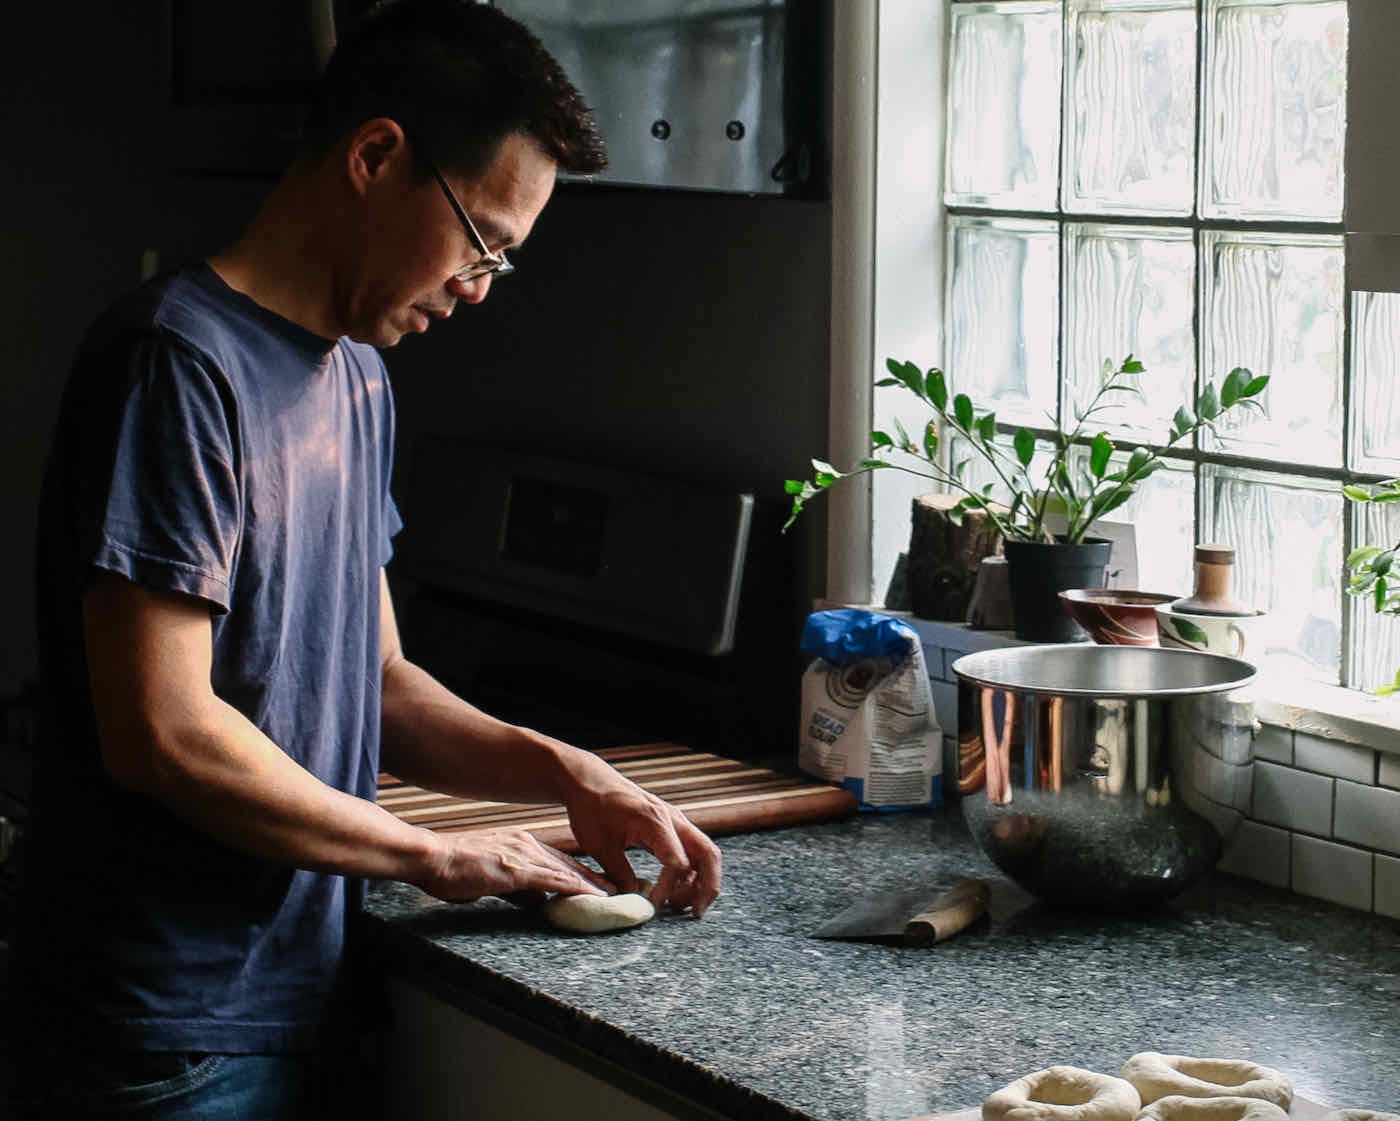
column 207, row 446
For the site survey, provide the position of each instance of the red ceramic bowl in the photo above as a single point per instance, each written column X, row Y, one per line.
column 1114, row 617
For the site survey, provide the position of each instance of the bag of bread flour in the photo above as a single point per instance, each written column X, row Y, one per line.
column 867, row 714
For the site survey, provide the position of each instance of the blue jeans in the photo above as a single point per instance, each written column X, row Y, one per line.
column 211, row 1088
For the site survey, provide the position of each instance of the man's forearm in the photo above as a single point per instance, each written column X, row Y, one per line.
column 217, row 771
column 435, row 739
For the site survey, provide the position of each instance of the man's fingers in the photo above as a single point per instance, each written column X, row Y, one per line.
column 708, row 865
column 618, row 868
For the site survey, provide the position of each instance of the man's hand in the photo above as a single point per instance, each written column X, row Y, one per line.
column 610, row 814
column 507, row 862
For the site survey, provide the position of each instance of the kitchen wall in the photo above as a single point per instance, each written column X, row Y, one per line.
column 675, row 332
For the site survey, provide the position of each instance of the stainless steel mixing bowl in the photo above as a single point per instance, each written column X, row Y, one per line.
column 1106, row 777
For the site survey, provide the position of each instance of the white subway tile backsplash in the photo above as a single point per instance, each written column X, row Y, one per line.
column 1368, row 815
column 1390, row 770
column 1330, row 757
column 1292, row 799
column 1333, row 872
column 1259, row 852
column 1274, row 743
column 1387, row 886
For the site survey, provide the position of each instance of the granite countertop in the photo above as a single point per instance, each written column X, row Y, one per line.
column 746, row 1014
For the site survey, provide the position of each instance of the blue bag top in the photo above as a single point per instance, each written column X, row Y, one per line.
column 847, row 634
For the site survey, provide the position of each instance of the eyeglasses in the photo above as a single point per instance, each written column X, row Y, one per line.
column 490, row 264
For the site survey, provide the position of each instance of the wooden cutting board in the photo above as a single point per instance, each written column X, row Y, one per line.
column 721, row 795
column 1301, row 1110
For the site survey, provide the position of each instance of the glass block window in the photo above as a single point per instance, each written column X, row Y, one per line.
column 1164, row 178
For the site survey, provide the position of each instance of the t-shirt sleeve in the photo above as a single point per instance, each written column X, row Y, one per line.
column 173, row 512
column 390, row 520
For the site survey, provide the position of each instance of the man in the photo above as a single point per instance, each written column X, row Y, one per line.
column 216, row 626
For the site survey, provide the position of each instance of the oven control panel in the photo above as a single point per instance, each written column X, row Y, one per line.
column 639, row 555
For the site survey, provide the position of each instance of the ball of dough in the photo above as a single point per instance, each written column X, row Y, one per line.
column 1176, row 1107
column 1157, row 1076
column 1360, row 1115
column 596, row 914
column 1062, row 1093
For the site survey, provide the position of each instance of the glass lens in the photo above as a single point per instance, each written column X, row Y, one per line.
column 1274, row 114
column 1273, row 304
column 1130, row 106
column 1004, row 106
column 1002, row 302
column 1129, row 290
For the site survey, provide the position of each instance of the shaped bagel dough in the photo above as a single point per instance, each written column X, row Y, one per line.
column 1360, row 1115
column 1175, row 1107
column 595, row 914
column 1157, row 1076
column 1062, row 1093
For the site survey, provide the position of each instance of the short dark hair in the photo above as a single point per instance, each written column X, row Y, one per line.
column 459, row 74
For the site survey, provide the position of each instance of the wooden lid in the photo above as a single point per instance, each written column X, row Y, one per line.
column 1215, row 554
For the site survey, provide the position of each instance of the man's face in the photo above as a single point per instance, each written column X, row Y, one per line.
column 403, row 276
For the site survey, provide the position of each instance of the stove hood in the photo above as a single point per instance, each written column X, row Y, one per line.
column 711, row 95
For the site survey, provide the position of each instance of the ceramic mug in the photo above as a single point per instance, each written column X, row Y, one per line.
column 1215, row 634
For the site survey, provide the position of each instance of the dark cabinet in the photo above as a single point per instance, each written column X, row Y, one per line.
column 237, row 78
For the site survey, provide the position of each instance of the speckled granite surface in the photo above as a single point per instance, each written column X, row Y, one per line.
column 745, row 1013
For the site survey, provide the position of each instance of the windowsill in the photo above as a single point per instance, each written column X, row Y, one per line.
column 1287, row 701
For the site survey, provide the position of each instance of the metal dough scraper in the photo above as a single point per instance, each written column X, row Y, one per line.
column 910, row 916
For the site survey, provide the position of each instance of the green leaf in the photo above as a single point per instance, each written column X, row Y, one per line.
column 1232, row 387
column 1110, row 501
column 1383, row 563
column 1025, row 446
column 880, row 439
column 962, row 410
column 1255, row 386
column 1099, row 451
column 987, row 427
column 881, row 383
column 1140, row 459
column 959, row 468
column 1356, row 494
column 1183, row 421
column 1132, row 366
column 1358, row 557
column 872, row 464
column 795, row 486
column 1386, row 496
column 1379, row 592
column 821, row 467
column 1208, row 406
column 905, row 444
column 931, row 440
column 937, row 388
column 913, row 380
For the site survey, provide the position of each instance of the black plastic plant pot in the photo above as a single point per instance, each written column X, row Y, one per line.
column 1039, row 571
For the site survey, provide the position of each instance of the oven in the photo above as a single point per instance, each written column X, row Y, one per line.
column 601, row 605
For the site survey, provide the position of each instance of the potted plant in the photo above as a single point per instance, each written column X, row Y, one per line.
column 1079, row 488
column 1372, row 567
